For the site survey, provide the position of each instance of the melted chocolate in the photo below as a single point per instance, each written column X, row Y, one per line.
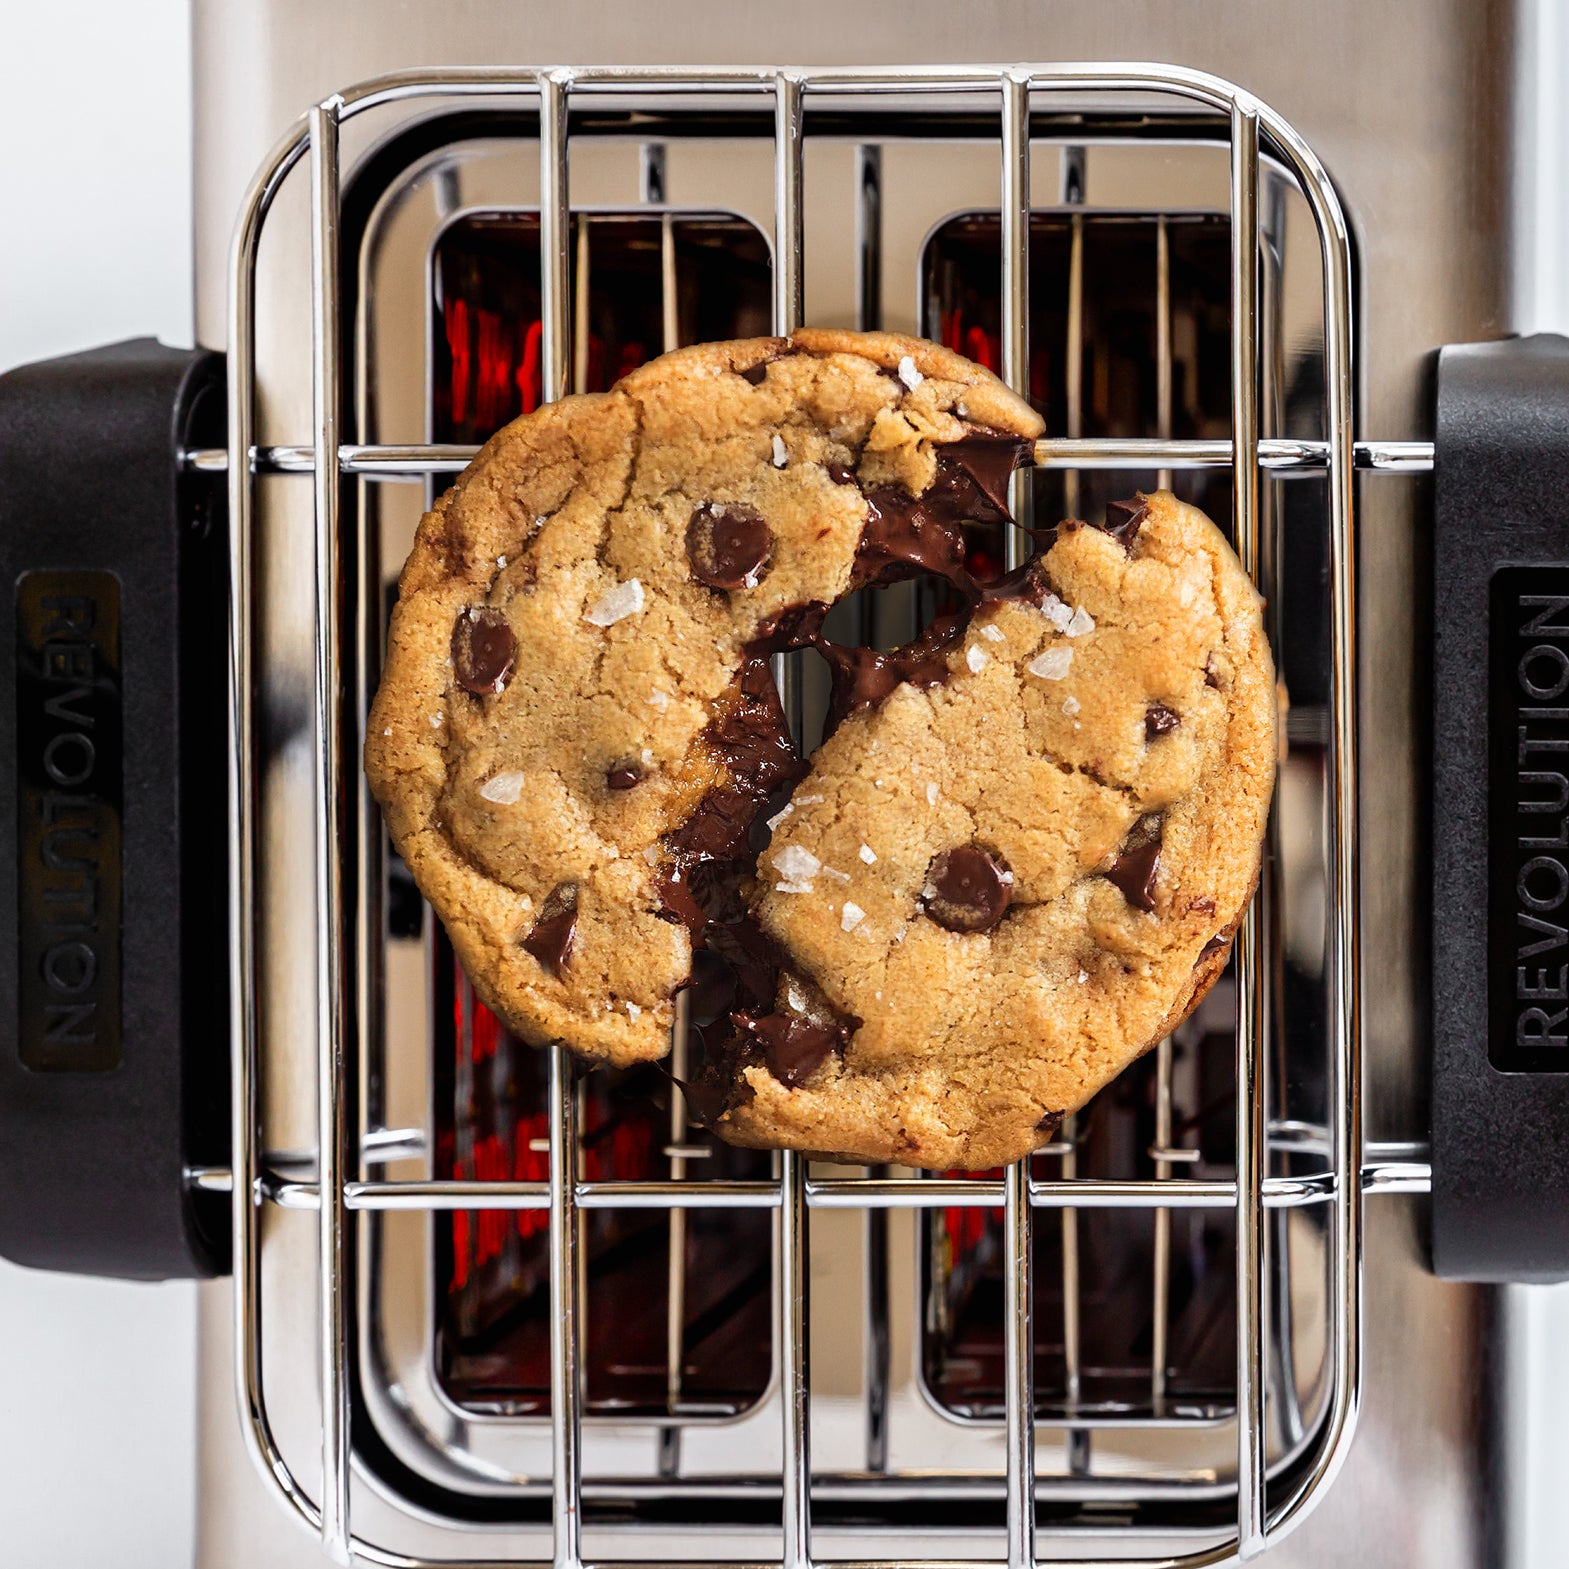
column 712, row 987
column 840, row 473
column 1050, row 1122
column 794, row 1045
column 623, row 776
column 729, row 545
column 1134, row 873
column 1124, row 519
column 1216, row 943
column 906, row 535
column 553, row 934
column 863, row 676
column 1203, row 905
column 1159, row 720
column 1027, row 583
column 968, row 888
column 793, row 627
column 483, row 649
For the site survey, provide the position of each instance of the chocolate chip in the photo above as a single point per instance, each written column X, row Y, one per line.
column 793, row 1045
column 755, row 373
column 729, row 545
column 1216, row 944
column 1050, row 1122
column 1124, row 519
column 483, row 649
column 551, row 938
column 623, row 776
column 1159, row 720
column 1211, row 674
column 1134, row 872
column 840, row 473
column 1203, row 905
column 863, row 677
column 968, row 888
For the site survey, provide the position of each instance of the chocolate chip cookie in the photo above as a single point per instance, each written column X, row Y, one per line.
column 577, row 731
column 1019, row 859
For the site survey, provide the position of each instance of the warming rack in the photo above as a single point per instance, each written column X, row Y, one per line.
column 1350, row 1170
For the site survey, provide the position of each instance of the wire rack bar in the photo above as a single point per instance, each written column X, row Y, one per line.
column 862, row 1193
column 1251, row 1520
column 566, row 1438
column 1018, row 1290
column 1279, row 457
column 327, row 717
column 794, row 1308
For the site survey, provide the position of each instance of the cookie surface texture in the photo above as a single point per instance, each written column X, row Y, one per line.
column 576, row 668
column 1099, row 764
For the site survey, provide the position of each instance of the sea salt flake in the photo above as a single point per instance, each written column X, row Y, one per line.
column 976, row 658
column 963, row 412
column 992, row 634
column 779, row 816
column 646, row 757
column 1052, row 664
column 867, row 854
column 781, row 457
column 633, row 1011
column 1059, row 614
column 908, row 374
column 387, row 731
column 503, row 788
column 435, row 721
column 1082, row 621
column 931, row 795
column 791, row 887
column 658, row 699
column 1070, row 706
column 651, row 854
column 501, row 562
column 796, row 864
column 851, row 916
column 795, row 998
column 1084, row 975
column 836, row 874
column 616, row 604
column 807, row 800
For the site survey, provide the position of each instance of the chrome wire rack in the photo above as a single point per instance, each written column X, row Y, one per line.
column 339, row 1187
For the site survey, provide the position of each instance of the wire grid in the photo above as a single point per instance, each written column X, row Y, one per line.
column 792, row 1195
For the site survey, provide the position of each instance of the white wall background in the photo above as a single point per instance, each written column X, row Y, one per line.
column 97, row 1378
column 97, row 1448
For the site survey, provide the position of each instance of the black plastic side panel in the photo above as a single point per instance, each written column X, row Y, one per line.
column 113, row 794
column 1501, row 812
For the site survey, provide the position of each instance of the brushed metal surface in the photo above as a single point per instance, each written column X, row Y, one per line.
column 1408, row 104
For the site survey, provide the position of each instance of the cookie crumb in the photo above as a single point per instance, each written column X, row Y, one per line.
column 616, row 604
column 851, row 916
column 1187, row 593
column 781, row 457
column 1052, row 664
column 1070, row 706
column 992, row 634
column 931, row 795
column 503, row 788
column 867, row 854
column 976, row 658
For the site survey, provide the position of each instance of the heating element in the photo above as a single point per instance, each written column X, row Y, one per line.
column 1282, row 1163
